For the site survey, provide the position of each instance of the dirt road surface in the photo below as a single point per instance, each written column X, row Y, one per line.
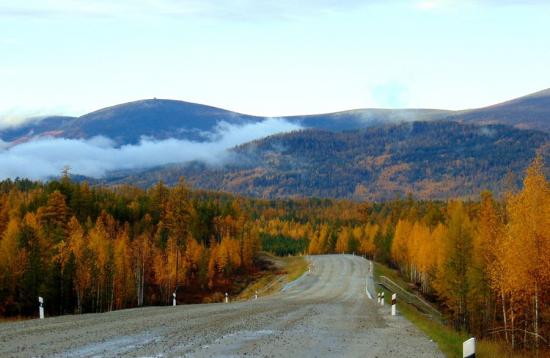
column 325, row 313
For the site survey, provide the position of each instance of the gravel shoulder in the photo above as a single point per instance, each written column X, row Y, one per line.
column 324, row 313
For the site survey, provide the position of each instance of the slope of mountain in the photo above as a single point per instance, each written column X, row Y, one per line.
column 363, row 118
column 158, row 118
column 430, row 159
column 527, row 112
column 161, row 119
column 127, row 123
column 49, row 125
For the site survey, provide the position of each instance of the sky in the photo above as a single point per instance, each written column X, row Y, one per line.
column 273, row 57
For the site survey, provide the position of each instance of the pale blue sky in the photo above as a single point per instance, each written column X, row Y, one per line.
column 270, row 57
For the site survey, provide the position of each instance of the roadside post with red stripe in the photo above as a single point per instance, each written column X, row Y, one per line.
column 393, row 304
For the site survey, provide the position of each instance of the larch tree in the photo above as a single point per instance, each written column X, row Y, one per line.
column 123, row 283
column 526, row 259
column 78, row 245
column 453, row 283
column 13, row 262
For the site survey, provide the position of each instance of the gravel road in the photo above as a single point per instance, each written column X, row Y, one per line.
column 324, row 313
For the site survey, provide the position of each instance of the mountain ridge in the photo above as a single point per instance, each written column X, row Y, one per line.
column 433, row 160
column 127, row 122
column 531, row 111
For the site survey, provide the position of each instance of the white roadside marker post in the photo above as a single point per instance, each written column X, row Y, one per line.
column 469, row 348
column 382, row 299
column 393, row 304
column 41, row 307
column 174, row 299
column 378, row 297
column 256, row 295
column 226, row 298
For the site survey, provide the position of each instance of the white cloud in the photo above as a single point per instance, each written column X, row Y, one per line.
column 439, row 4
column 227, row 9
column 46, row 157
column 224, row 8
column 215, row 8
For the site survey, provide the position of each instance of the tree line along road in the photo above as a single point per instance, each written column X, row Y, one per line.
column 324, row 313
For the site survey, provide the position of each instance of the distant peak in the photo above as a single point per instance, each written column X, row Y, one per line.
column 543, row 93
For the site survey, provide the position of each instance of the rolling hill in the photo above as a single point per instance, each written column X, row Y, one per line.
column 127, row 123
column 433, row 160
column 161, row 119
column 528, row 112
column 360, row 154
column 52, row 126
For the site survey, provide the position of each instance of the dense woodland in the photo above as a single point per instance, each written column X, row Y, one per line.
column 433, row 160
column 485, row 262
column 96, row 249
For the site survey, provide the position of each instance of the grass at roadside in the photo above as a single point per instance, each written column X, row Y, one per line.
column 448, row 340
column 295, row 266
column 281, row 271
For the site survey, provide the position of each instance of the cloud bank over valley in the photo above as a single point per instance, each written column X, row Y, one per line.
column 45, row 157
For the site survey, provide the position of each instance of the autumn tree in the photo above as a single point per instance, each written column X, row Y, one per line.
column 523, row 262
column 452, row 282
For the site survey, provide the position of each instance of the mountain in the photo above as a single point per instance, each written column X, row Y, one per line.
column 161, row 119
column 363, row 118
column 36, row 126
column 157, row 118
column 528, row 112
column 360, row 154
column 433, row 160
column 127, row 123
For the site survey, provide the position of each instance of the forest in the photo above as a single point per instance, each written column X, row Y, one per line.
column 85, row 248
column 94, row 249
column 433, row 160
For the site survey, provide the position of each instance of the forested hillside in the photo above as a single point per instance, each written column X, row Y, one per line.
column 433, row 160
